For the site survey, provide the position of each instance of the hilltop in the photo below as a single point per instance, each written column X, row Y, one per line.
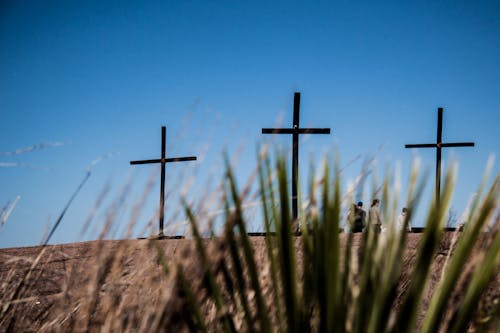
column 88, row 285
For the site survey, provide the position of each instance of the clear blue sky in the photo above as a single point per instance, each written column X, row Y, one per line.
column 102, row 77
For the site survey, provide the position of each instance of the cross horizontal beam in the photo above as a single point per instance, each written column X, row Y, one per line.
column 458, row 144
column 165, row 160
column 434, row 145
column 295, row 131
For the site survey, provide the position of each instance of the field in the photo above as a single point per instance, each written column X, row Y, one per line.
column 121, row 285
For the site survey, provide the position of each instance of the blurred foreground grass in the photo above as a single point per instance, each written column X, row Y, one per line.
column 322, row 281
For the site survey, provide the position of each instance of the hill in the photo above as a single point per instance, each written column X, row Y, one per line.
column 121, row 285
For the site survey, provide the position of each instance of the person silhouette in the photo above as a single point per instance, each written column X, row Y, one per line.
column 374, row 216
column 359, row 219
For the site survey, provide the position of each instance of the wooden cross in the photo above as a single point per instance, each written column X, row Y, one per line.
column 295, row 131
column 438, row 145
column 162, row 161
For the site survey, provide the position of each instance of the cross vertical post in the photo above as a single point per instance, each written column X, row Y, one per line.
column 295, row 154
column 439, row 145
column 439, row 141
column 163, row 160
column 295, row 131
column 162, row 178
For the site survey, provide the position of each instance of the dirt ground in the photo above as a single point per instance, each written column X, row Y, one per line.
column 62, row 273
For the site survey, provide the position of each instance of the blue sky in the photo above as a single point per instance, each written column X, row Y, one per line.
column 100, row 78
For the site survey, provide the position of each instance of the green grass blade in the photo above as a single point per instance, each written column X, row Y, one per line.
column 458, row 261
column 333, row 253
column 287, row 252
column 240, row 279
column 272, row 196
column 477, row 200
column 269, row 242
column 194, row 309
column 249, row 256
column 480, row 280
column 409, row 309
column 209, row 276
column 321, row 260
column 308, row 285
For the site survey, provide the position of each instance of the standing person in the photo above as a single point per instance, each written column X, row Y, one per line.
column 374, row 216
column 359, row 218
column 402, row 219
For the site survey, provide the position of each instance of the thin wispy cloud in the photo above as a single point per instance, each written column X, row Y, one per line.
column 9, row 164
column 35, row 147
column 101, row 158
column 23, row 165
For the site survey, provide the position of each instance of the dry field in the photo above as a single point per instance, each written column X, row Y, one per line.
column 120, row 285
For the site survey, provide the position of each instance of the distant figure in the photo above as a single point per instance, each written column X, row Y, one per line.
column 374, row 216
column 359, row 222
column 402, row 219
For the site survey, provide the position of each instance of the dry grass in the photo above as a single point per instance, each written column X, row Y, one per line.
column 119, row 286
column 273, row 283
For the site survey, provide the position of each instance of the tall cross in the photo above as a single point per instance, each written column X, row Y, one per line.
column 438, row 145
column 162, row 161
column 295, row 131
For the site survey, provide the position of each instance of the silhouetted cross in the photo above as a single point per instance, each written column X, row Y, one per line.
column 438, row 145
column 162, row 161
column 295, row 131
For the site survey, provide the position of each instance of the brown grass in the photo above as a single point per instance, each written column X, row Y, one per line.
column 120, row 286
